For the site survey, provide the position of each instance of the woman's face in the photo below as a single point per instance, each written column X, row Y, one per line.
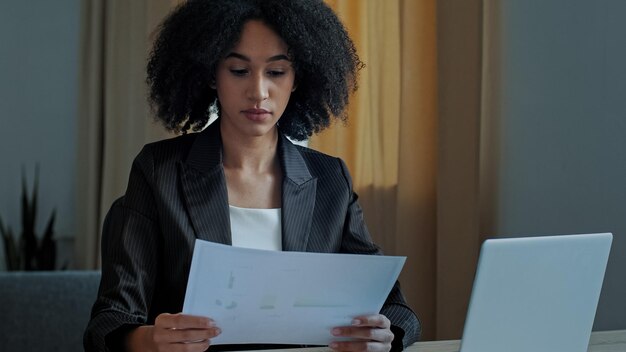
column 254, row 82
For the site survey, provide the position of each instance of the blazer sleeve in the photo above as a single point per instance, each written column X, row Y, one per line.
column 129, row 264
column 406, row 327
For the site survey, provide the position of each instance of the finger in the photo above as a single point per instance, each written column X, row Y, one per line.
column 359, row 346
column 183, row 321
column 375, row 320
column 189, row 335
column 364, row 333
column 189, row 347
column 167, row 336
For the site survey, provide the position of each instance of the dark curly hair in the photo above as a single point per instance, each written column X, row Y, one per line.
column 198, row 34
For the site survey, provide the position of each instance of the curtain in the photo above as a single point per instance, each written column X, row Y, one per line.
column 390, row 143
column 459, row 237
column 114, row 120
column 413, row 144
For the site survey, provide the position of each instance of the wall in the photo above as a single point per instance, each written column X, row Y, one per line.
column 562, row 162
column 39, row 43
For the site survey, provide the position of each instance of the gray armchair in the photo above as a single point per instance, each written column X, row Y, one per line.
column 45, row 311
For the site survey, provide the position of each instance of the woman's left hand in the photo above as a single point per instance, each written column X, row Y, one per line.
column 369, row 333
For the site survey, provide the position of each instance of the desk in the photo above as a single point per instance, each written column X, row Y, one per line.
column 601, row 341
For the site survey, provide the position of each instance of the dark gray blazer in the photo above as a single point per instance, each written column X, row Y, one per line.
column 177, row 193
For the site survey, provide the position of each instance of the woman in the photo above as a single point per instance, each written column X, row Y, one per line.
column 272, row 69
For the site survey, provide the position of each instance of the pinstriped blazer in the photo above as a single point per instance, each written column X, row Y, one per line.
column 177, row 193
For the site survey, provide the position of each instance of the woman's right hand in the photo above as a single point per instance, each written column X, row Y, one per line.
column 173, row 332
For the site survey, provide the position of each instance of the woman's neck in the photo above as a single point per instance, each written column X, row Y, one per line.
column 252, row 170
column 253, row 154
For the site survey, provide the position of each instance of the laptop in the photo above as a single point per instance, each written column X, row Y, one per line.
column 536, row 294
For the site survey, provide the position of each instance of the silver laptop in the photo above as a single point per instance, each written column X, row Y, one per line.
column 536, row 294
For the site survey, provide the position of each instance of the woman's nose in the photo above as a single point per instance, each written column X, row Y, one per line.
column 258, row 90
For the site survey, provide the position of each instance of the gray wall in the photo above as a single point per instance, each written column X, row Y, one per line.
column 39, row 43
column 563, row 128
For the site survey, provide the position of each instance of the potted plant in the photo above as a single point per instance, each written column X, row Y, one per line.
column 30, row 253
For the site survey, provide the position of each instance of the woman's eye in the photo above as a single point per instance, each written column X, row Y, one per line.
column 275, row 73
column 239, row 72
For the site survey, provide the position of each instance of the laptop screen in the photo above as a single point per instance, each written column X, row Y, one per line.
column 536, row 293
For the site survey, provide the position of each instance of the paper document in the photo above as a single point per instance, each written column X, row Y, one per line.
column 258, row 296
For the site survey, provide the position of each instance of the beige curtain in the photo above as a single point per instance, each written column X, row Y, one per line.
column 114, row 120
column 413, row 144
column 458, row 174
column 390, row 144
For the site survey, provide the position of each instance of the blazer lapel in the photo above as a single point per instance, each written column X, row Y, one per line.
column 206, row 195
column 204, row 187
column 298, row 198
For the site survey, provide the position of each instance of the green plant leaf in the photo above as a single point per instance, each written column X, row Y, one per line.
column 34, row 197
column 49, row 227
column 24, row 203
column 2, row 231
column 46, row 254
column 28, row 239
column 12, row 254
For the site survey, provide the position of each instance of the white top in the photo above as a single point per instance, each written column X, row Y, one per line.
column 256, row 228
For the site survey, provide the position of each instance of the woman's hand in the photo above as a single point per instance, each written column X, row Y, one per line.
column 173, row 332
column 370, row 333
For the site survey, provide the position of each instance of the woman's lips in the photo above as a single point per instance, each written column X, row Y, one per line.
column 257, row 114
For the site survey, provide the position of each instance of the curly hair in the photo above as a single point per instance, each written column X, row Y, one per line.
column 199, row 33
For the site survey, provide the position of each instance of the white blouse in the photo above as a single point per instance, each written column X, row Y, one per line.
column 256, row 228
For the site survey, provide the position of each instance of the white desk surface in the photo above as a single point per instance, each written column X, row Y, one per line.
column 601, row 341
